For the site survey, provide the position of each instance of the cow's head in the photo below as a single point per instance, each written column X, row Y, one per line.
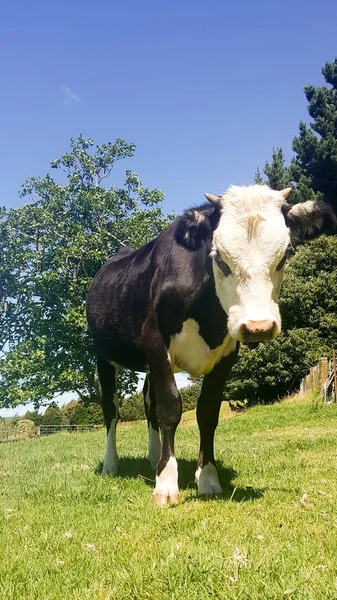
column 251, row 243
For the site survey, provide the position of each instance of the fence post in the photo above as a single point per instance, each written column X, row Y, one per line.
column 323, row 372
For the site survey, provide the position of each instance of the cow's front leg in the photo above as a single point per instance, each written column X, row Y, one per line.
column 208, row 409
column 168, row 408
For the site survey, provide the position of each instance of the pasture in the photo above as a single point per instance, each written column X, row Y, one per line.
column 67, row 533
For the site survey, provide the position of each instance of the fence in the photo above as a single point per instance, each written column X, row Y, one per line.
column 48, row 429
column 322, row 377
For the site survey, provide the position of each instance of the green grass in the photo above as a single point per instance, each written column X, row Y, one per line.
column 67, row 533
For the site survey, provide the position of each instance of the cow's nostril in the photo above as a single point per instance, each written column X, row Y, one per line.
column 258, row 330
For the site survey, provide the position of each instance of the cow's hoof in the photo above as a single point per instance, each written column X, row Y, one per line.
column 208, row 481
column 166, row 490
column 164, row 500
column 110, row 469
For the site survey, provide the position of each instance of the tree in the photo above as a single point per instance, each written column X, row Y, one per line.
column 33, row 415
column 314, row 167
column 189, row 395
column 258, row 179
column 50, row 250
column 132, row 408
column 53, row 417
column 277, row 173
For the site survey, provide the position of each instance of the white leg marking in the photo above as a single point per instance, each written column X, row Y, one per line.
column 154, row 447
column 110, row 465
column 208, row 480
column 166, row 489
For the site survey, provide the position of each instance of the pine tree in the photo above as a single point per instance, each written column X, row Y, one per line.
column 314, row 168
column 258, row 179
column 277, row 173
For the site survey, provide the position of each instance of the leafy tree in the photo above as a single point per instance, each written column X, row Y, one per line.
column 53, row 416
column 273, row 370
column 189, row 395
column 95, row 414
column 132, row 408
column 50, row 250
column 33, row 415
column 69, row 410
column 80, row 415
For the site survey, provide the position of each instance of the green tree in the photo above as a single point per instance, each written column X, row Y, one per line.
column 53, row 417
column 132, row 408
column 50, row 250
column 277, row 173
column 189, row 395
column 33, row 415
column 258, row 179
column 95, row 414
column 314, row 167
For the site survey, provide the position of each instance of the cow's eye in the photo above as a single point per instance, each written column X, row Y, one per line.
column 222, row 265
column 282, row 263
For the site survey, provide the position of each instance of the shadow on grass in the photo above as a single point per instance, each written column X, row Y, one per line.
column 134, row 468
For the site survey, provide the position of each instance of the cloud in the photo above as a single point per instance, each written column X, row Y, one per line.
column 69, row 95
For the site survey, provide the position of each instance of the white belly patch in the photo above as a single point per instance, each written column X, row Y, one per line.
column 189, row 352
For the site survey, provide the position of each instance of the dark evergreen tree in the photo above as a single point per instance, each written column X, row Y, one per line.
column 277, row 173
column 258, row 177
column 314, row 167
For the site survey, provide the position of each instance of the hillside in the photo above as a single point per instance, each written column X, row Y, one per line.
column 67, row 533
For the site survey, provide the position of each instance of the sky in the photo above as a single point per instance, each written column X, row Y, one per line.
column 205, row 89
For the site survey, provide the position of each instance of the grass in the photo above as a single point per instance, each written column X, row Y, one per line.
column 67, row 533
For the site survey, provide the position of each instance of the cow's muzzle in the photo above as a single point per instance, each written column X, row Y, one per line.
column 258, row 331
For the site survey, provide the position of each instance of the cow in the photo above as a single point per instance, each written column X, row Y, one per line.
column 183, row 302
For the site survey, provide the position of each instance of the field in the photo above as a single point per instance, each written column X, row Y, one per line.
column 67, row 533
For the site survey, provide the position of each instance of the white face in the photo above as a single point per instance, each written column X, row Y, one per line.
column 249, row 246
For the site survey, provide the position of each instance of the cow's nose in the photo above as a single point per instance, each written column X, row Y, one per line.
column 258, row 331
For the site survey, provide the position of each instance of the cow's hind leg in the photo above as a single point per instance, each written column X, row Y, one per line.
column 208, row 409
column 152, row 422
column 107, row 375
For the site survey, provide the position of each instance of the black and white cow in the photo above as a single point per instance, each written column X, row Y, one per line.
column 183, row 302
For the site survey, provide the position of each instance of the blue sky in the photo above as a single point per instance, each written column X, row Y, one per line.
column 204, row 89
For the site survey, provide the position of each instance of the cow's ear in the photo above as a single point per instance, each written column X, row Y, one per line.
column 195, row 227
column 309, row 219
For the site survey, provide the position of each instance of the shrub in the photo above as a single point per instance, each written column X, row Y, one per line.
column 25, row 429
column 132, row 408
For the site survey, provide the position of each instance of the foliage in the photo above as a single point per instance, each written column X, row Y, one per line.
column 314, row 166
column 50, row 250
column 53, row 416
column 95, row 414
column 271, row 371
column 25, row 429
column 277, row 173
column 33, row 415
column 189, row 396
column 68, row 533
column 132, row 408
